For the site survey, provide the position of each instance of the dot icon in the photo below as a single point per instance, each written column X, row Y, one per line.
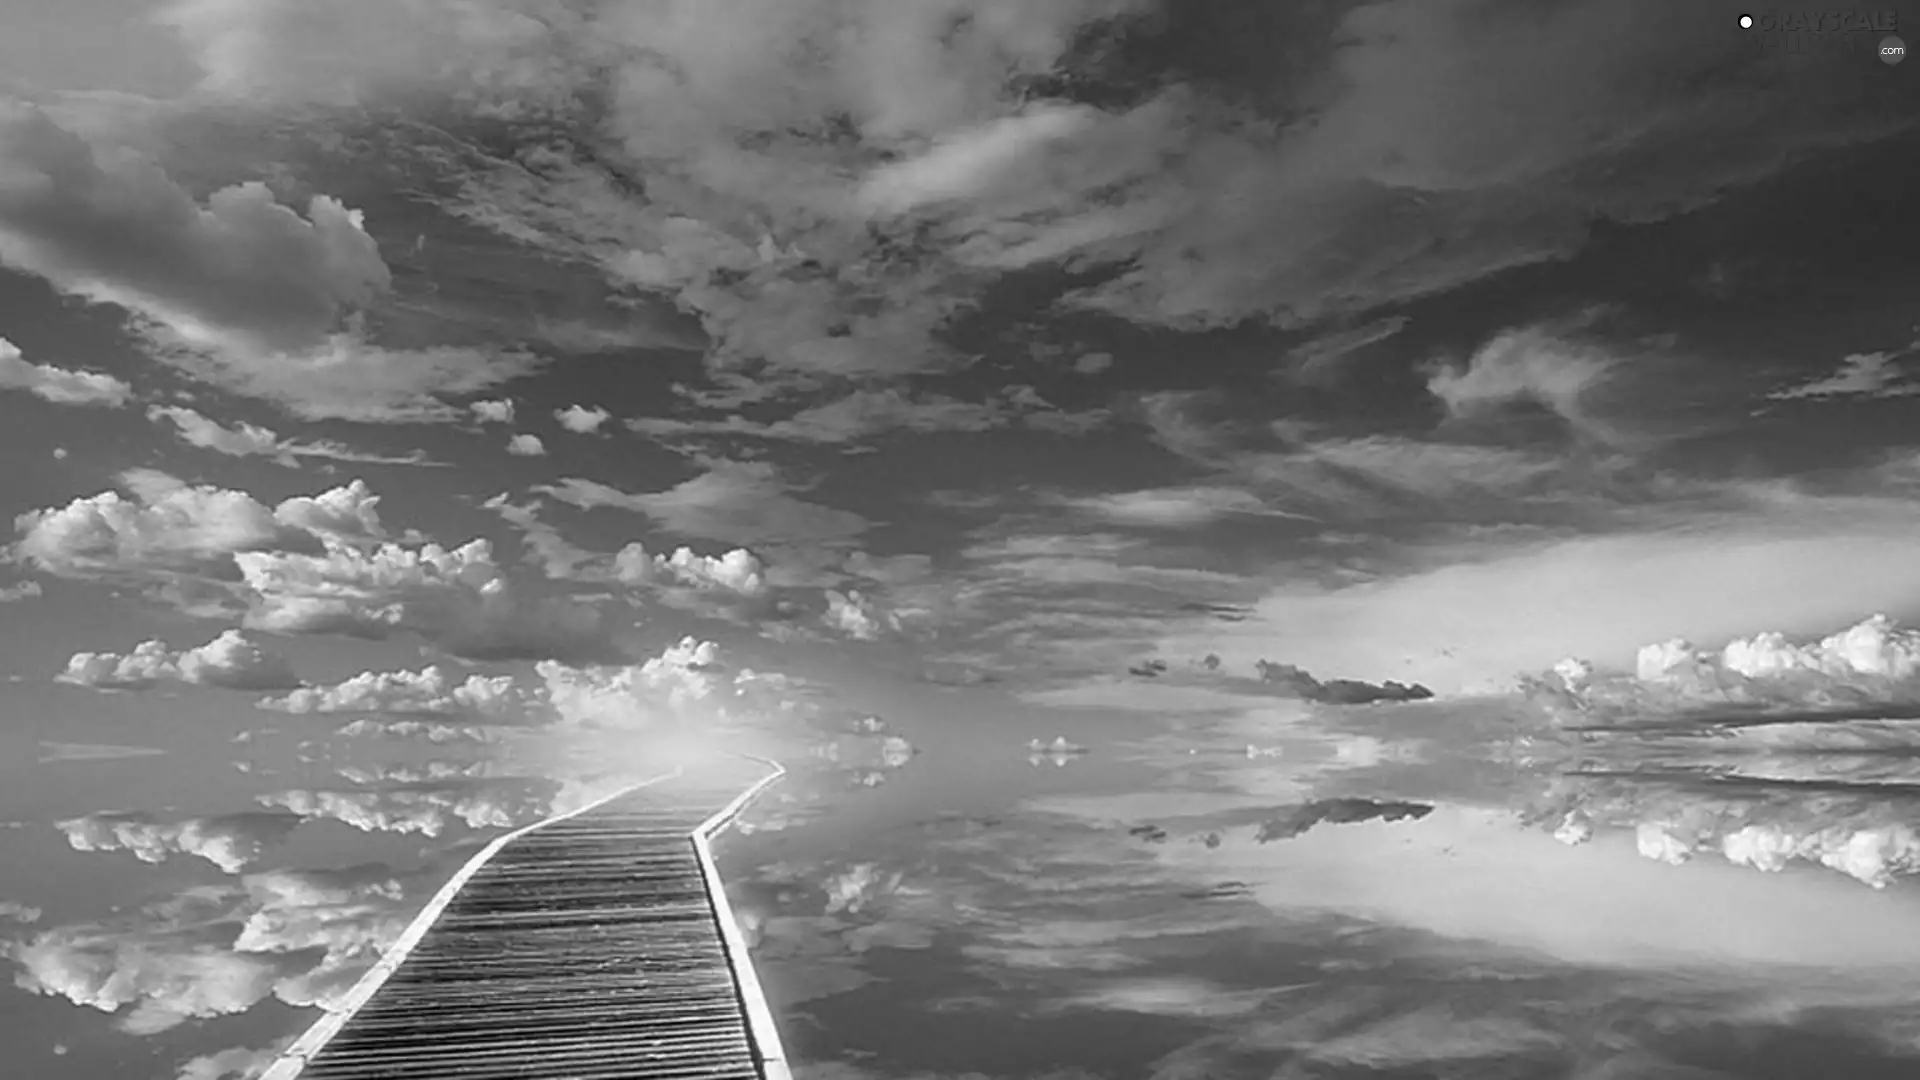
column 1746, row 22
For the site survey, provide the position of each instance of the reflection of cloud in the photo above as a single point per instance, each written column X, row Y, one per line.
column 52, row 752
column 426, row 811
column 428, row 690
column 229, row 841
column 238, row 1063
column 20, row 913
column 301, row 936
column 1344, row 811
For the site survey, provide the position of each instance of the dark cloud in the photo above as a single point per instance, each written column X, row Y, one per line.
column 1338, row 691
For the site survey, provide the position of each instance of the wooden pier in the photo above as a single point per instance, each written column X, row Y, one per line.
column 595, row 944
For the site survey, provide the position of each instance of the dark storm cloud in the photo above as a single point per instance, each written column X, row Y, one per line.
column 1337, row 691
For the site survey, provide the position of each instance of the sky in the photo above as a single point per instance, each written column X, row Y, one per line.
column 1005, row 367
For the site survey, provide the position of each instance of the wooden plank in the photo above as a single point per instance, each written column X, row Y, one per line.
column 597, row 944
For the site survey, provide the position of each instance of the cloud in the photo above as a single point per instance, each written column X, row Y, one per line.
column 170, row 525
column 252, row 440
column 115, row 229
column 739, row 571
column 526, row 446
column 866, row 413
column 1873, row 664
column 458, row 599
column 231, row 661
column 1525, row 366
column 407, row 811
column 1092, row 363
column 1174, row 507
column 740, row 502
column 300, row 936
column 493, row 412
column 428, row 690
column 22, row 590
column 1860, row 375
column 827, row 211
column 632, row 695
column 857, row 616
column 344, row 377
column 1341, row 811
column 59, row 385
column 228, row 841
column 1338, row 691
column 1470, row 615
column 581, row 420
column 236, row 1063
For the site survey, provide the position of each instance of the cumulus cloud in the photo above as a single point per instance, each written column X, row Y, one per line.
column 232, row 661
column 582, row 420
column 228, row 841
column 21, row 590
column 493, row 412
column 1873, row 663
column 426, row 812
column 857, row 616
column 170, row 525
column 236, row 1063
column 457, row 598
column 428, row 690
column 252, row 440
column 301, row 936
column 632, row 695
column 524, row 445
column 739, row 571
column 59, row 385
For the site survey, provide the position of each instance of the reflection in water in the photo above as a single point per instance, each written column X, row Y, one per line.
column 1477, row 889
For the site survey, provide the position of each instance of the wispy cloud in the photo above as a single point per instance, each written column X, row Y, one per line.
column 60, row 386
column 252, row 440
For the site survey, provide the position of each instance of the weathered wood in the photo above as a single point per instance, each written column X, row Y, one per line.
column 594, row 945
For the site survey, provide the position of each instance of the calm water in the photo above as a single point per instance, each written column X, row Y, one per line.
column 1275, row 892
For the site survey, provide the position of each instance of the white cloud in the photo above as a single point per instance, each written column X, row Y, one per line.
column 59, row 385
column 252, row 440
column 229, row 841
column 1174, row 507
column 493, row 412
column 458, row 599
column 1530, row 365
column 738, row 571
column 169, row 525
column 1860, row 375
column 581, row 420
column 633, row 695
column 857, row 616
column 18, row 591
column 526, row 446
column 741, row 502
column 304, row 937
column 1481, row 614
column 428, row 690
column 236, row 1063
column 231, row 661
column 408, row 811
